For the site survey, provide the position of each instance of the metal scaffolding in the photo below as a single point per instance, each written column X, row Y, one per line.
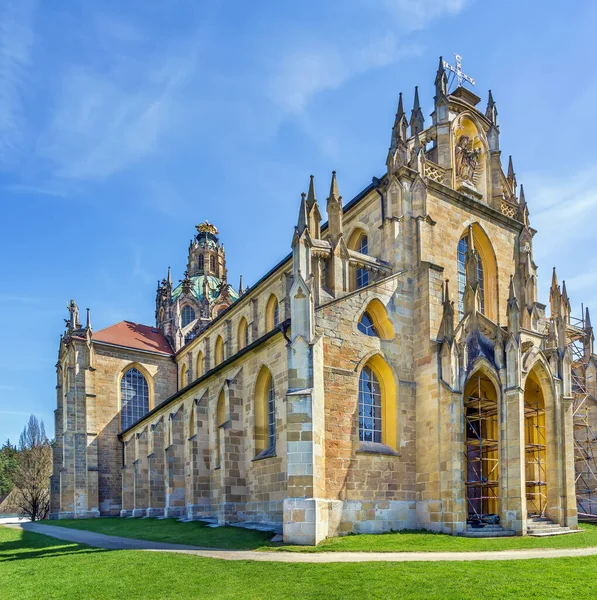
column 585, row 440
column 481, row 453
column 535, row 458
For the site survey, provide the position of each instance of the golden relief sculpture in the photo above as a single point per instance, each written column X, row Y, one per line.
column 207, row 227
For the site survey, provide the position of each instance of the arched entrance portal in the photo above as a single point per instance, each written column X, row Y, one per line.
column 535, row 446
column 481, row 446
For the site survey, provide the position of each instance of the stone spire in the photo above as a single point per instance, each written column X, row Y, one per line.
column 241, row 289
column 417, row 121
column 447, row 324
column 88, row 324
column 513, row 310
column 169, row 280
column 491, row 111
column 555, row 296
column 511, row 177
column 303, row 218
column 589, row 336
column 441, row 80
column 313, row 213
column 523, row 211
column 334, row 211
column 400, row 128
column 565, row 303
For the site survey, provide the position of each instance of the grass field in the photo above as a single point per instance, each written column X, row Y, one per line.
column 38, row 567
column 196, row 534
column 172, row 531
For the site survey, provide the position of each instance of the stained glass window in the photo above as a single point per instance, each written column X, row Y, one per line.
column 271, row 415
column 188, row 315
column 369, row 407
column 461, row 255
column 201, row 262
column 276, row 314
column 134, row 394
column 366, row 325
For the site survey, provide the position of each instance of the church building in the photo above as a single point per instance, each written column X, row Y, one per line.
column 395, row 371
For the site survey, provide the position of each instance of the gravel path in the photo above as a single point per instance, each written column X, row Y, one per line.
column 111, row 542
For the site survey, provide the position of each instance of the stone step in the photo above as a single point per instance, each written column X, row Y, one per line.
column 482, row 533
column 546, row 529
column 562, row 531
column 540, row 520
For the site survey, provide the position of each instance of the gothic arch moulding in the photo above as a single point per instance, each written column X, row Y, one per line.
column 488, row 258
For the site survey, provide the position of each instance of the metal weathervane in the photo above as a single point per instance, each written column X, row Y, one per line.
column 457, row 70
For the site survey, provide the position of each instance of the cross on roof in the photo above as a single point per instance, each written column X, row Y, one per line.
column 457, row 70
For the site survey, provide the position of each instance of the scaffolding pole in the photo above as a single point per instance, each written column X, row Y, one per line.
column 585, row 441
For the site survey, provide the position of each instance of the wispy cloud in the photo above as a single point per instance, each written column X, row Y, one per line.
column 300, row 75
column 16, row 41
column 417, row 14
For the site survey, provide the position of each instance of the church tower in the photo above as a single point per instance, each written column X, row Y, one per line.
column 185, row 310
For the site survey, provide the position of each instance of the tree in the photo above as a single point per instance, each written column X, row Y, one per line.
column 8, row 465
column 34, row 467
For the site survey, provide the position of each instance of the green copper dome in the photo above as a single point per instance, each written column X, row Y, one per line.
column 213, row 288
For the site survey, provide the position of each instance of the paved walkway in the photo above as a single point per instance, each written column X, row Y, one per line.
column 110, row 542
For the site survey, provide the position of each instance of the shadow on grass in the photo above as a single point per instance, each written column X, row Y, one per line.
column 33, row 545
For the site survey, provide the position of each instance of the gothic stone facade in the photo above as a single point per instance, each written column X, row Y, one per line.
column 395, row 371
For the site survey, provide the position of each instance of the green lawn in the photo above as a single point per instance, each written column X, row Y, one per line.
column 38, row 567
column 173, row 531
column 196, row 534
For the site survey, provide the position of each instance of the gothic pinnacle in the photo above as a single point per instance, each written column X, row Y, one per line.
column 554, row 279
column 511, row 175
column 241, row 290
column 88, row 325
column 334, row 195
column 169, row 276
column 587, row 319
column 565, row 293
column 417, row 121
column 400, row 112
column 491, row 110
column 511, row 291
column 311, row 199
column 303, row 218
column 441, row 79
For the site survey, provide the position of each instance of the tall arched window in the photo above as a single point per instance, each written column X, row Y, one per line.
column 192, row 420
column 377, row 404
column 134, row 397
column 184, row 376
column 362, row 275
column 220, row 418
column 212, row 263
column 461, row 258
column 219, row 351
column 243, row 334
column 272, row 313
column 200, row 364
column 369, row 407
column 187, row 315
column 201, row 262
column 265, row 414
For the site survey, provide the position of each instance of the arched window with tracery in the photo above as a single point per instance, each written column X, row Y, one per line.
column 370, row 421
column 272, row 313
column 265, row 414
column 463, row 246
column 367, row 326
column 201, row 262
column 220, row 418
column 362, row 275
column 212, row 263
column 134, row 397
column 377, row 404
column 243, row 334
column 219, row 351
column 200, row 364
column 187, row 315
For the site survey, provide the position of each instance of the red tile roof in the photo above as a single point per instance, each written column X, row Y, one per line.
column 133, row 335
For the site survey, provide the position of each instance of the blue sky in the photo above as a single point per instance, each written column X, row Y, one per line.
column 124, row 124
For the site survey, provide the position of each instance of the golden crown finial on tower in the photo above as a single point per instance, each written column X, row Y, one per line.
column 207, row 227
